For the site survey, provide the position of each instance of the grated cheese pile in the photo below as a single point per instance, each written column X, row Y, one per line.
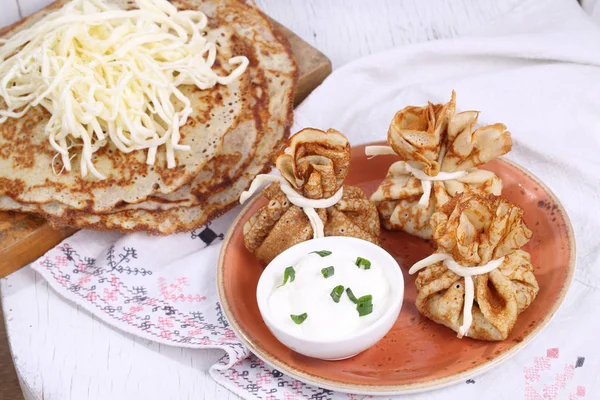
column 109, row 74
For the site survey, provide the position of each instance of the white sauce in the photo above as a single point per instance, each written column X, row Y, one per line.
column 310, row 293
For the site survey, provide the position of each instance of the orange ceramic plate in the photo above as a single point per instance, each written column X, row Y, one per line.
column 417, row 354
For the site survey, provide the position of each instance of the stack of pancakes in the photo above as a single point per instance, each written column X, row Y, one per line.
column 234, row 133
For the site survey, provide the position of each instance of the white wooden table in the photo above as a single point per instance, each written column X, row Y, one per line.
column 62, row 352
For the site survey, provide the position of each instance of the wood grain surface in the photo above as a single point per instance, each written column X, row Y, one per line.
column 24, row 238
column 9, row 383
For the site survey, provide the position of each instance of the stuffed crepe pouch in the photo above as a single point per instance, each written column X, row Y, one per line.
column 437, row 143
column 315, row 166
column 475, row 230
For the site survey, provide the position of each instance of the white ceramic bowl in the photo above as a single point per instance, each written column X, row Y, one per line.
column 358, row 341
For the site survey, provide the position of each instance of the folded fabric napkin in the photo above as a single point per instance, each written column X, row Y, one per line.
column 536, row 69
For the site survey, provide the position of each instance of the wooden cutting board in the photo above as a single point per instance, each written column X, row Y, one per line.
column 24, row 237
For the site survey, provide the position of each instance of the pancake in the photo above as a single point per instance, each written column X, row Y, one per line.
column 237, row 151
column 26, row 158
column 181, row 211
column 239, row 146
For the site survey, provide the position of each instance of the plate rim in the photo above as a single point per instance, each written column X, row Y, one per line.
column 407, row 387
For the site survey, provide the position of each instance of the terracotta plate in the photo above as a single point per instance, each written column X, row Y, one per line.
column 416, row 354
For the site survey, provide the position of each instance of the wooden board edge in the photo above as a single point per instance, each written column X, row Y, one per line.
column 313, row 65
column 31, row 247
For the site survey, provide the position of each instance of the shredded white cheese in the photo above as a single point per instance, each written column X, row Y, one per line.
column 372, row 151
column 307, row 205
column 109, row 74
column 467, row 273
column 425, row 179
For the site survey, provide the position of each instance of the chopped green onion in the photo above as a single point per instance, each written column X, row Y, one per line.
column 298, row 319
column 288, row 274
column 364, row 309
column 364, row 305
column 366, row 298
column 327, row 272
column 351, row 296
column 363, row 262
column 322, row 253
column 336, row 293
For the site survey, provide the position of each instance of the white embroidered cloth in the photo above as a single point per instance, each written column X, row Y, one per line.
column 537, row 72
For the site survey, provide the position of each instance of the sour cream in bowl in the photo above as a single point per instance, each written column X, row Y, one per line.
column 331, row 298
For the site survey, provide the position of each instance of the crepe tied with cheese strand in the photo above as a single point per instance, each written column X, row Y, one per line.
column 434, row 139
column 315, row 165
column 476, row 229
column 248, row 149
column 26, row 157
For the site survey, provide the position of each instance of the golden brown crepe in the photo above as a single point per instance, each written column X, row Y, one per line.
column 476, row 229
column 26, row 158
column 436, row 141
column 315, row 165
column 249, row 148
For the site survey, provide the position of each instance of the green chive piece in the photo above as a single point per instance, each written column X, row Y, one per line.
column 365, row 299
column 364, row 305
column 351, row 296
column 364, row 309
column 336, row 293
column 363, row 263
column 298, row 319
column 288, row 274
column 327, row 272
column 322, row 253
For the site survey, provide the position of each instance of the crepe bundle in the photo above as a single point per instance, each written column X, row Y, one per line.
column 439, row 152
column 310, row 198
column 479, row 279
column 234, row 132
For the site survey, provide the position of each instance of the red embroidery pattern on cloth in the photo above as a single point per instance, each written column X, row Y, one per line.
column 174, row 291
column 264, row 378
column 531, row 394
column 297, row 385
column 234, row 375
column 229, row 335
column 552, row 390
column 165, row 334
column 61, row 261
column 540, row 364
column 134, row 309
column 262, row 381
column 552, row 353
column 165, row 322
column 110, row 295
column 99, row 285
column 580, row 392
column 84, row 280
column 195, row 332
